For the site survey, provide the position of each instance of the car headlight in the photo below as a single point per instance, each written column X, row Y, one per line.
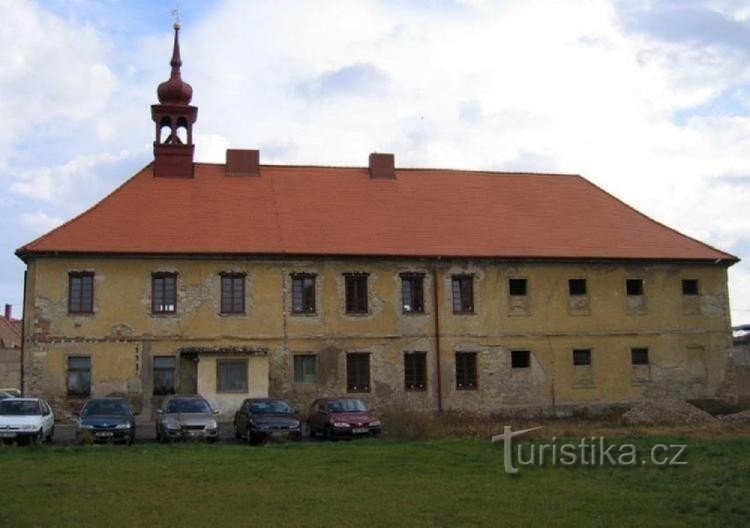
column 341, row 424
column 28, row 427
column 212, row 426
column 122, row 426
column 174, row 426
column 375, row 423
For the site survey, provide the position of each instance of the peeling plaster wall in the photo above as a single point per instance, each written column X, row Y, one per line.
column 10, row 368
column 688, row 337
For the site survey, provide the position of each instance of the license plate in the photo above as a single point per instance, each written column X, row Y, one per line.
column 195, row 433
column 277, row 434
column 360, row 430
column 5, row 434
column 104, row 434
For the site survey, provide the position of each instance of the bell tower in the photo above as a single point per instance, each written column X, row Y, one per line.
column 174, row 118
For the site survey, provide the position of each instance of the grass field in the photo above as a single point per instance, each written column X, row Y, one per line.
column 364, row 483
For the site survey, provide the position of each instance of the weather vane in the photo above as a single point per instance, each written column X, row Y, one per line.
column 176, row 15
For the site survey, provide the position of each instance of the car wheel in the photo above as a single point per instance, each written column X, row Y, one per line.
column 237, row 434
column 50, row 436
column 39, row 437
column 310, row 431
column 328, row 432
column 249, row 437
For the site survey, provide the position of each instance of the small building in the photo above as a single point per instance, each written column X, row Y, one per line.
column 10, row 350
column 421, row 289
column 741, row 355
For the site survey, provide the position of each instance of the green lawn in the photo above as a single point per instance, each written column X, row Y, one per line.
column 363, row 483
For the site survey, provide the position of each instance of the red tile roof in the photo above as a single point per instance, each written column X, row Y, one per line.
column 10, row 333
column 341, row 211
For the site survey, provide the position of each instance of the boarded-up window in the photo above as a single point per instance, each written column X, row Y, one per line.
column 520, row 359
column 81, row 292
column 462, row 288
column 303, row 293
column 79, row 375
column 358, row 372
column 466, row 370
column 577, row 286
column 164, row 374
column 231, row 375
column 356, row 292
column 305, row 368
column 232, row 293
column 415, row 371
column 163, row 293
column 412, row 292
column 582, row 357
column 639, row 356
column 517, row 287
column 634, row 287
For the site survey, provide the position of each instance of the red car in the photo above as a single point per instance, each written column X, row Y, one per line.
column 341, row 418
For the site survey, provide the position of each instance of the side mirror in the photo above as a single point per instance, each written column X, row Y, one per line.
column 159, row 411
column 216, row 412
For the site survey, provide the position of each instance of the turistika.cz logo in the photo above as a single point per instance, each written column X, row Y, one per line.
column 589, row 451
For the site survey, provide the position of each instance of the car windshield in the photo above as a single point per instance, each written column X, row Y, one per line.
column 270, row 407
column 188, row 406
column 108, row 407
column 342, row 406
column 13, row 407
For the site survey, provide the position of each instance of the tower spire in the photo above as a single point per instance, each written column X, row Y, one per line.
column 174, row 118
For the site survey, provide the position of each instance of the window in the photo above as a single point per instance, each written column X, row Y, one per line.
column 415, row 371
column 356, row 292
column 163, row 293
column 577, row 286
column 358, row 372
column 79, row 375
column 466, row 370
column 517, row 286
column 305, row 368
column 582, row 357
column 520, row 359
column 232, row 293
column 462, row 287
column 81, row 292
column 690, row 287
column 634, row 287
column 412, row 292
column 164, row 375
column 231, row 375
column 303, row 293
column 639, row 356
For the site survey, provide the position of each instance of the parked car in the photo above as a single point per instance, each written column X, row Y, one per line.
column 261, row 419
column 26, row 420
column 341, row 418
column 106, row 420
column 186, row 417
column 6, row 395
column 14, row 393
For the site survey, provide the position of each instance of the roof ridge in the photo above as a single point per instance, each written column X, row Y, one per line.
column 36, row 241
column 657, row 222
column 423, row 169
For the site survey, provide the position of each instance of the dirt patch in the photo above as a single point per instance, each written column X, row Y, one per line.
column 736, row 418
column 666, row 411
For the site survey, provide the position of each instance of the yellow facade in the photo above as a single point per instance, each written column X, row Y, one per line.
column 688, row 337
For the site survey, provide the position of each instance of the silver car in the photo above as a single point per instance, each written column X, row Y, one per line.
column 186, row 417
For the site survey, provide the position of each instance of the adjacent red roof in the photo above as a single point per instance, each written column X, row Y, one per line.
column 342, row 211
column 10, row 333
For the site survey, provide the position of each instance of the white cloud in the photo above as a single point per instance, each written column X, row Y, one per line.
column 40, row 222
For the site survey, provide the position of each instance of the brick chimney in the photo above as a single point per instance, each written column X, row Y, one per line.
column 8, row 311
column 243, row 162
column 382, row 166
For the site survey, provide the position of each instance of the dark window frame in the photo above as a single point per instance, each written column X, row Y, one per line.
column 462, row 286
column 639, row 356
column 358, row 378
column 415, row 371
column 308, row 303
column 516, row 285
column 233, row 278
column 80, row 301
column 414, row 292
column 690, row 287
column 356, row 300
column 70, row 369
column 160, row 309
column 301, row 357
column 466, row 371
column 634, row 287
column 578, row 287
column 581, row 357
column 220, row 389
column 158, row 391
column 520, row 359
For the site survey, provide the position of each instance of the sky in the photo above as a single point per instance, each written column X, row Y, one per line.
column 648, row 99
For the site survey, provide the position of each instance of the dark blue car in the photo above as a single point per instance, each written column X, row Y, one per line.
column 106, row 420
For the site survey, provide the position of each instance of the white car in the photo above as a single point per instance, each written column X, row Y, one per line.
column 26, row 419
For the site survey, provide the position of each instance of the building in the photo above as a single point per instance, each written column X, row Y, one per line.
column 741, row 355
column 10, row 350
column 415, row 288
